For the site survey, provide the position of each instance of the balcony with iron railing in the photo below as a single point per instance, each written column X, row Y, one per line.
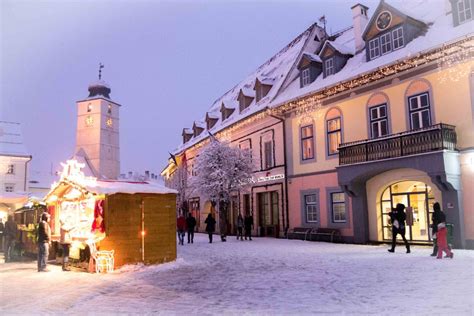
column 433, row 138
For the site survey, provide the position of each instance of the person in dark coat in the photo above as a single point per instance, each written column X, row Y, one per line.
column 44, row 239
column 210, row 226
column 441, row 234
column 191, row 224
column 181, row 226
column 398, row 217
column 436, row 219
column 10, row 233
column 2, row 228
column 240, row 226
column 248, row 224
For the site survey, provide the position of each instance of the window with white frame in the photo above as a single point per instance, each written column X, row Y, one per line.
column 333, row 135
column 305, row 77
column 338, row 207
column 419, row 109
column 374, row 48
column 311, row 208
column 464, row 11
column 386, row 43
column 307, row 142
column 268, row 154
column 11, row 169
column 378, row 121
column 9, row 187
column 397, row 38
column 329, row 66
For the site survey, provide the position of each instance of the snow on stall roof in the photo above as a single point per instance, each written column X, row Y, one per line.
column 440, row 31
column 11, row 139
column 113, row 187
column 272, row 72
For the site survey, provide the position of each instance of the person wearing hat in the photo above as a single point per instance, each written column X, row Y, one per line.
column 44, row 239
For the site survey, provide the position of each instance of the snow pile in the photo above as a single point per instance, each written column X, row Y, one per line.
column 264, row 276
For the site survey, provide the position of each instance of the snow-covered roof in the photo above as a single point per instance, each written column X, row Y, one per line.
column 213, row 115
column 199, row 124
column 440, row 31
column 341, row 48
column 248, row 92
column 311, row 57
column 11, row 140
column 187, row 131
column 273, row 72
column 230, row 104
column 113, row 187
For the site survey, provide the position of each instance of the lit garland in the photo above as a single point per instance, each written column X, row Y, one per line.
column 448, row 56
column 456, row 53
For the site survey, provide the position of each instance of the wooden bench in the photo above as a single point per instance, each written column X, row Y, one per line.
column 331, row 232
column 299, row 231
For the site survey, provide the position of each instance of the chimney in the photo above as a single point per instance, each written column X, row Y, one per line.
column 359, row 20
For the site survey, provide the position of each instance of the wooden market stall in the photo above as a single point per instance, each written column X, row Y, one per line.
column 131, row 221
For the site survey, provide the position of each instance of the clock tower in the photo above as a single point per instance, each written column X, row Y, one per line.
column 97, row 135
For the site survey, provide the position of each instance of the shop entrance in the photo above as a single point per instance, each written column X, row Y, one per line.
column 418, row 198
column 267, row 204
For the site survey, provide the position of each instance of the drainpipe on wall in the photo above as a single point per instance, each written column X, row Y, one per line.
column 282, row 120
column 26, row 172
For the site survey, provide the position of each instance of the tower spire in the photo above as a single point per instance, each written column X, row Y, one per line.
column 100, row 70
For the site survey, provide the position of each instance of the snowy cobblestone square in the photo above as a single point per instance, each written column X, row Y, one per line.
column 265, row 276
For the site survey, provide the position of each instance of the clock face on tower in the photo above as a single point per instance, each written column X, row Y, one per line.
column 383, row 20
column 89, row 120
column 109, row 122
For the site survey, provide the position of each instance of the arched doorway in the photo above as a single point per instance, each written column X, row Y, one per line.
column 418, row 197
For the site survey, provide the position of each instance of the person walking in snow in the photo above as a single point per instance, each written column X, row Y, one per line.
column 240, row 226
column 210, row 226
column 191, row 224
column 248, row 224
column 181, row 225
column 44, row 239
column 398, row 217
column 436, row 219
column 441, row 234
column 10, row 233
column 65, row 241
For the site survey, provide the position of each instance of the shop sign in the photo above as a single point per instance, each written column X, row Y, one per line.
column 267, row 178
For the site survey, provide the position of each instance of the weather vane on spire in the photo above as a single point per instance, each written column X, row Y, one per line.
column 100, row 70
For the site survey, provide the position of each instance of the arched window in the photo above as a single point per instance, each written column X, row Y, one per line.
column 333, row 131
column 418, row 96
column 378, row 115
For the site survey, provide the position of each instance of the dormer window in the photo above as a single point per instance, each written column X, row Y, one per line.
column 187, row 134
column 386, row 43
column 397, row 38
column 198, row 127
column 262, row 87
column 305, row 77
column 227, row 108
column 246, row 97
column 211, row 120
column 310, row 66
column 464, row 10
column 329, row 66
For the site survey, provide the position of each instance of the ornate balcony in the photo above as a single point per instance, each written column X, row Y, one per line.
column 424, row 140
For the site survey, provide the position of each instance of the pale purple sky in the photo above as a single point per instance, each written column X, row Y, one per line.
column 166, row 62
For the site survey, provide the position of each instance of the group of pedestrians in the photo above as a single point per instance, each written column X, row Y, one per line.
column 183, row 225
column 438, row 226
column 189, row 224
